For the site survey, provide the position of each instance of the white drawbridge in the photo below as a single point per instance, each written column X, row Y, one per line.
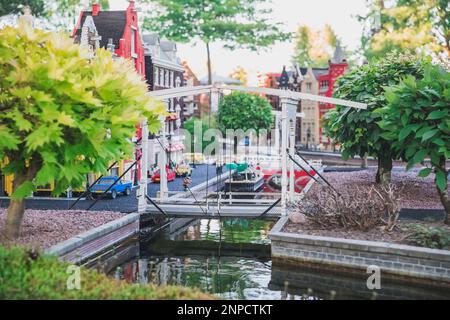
column 223, row 206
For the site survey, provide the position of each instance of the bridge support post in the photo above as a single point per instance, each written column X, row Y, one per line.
column 142, row 201
column 291, row 164
column 163, row 189
column 288, row 118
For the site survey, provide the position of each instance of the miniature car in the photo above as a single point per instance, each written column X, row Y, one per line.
column 122, row 186
column 183, row 169
column 156, row 177
column 197, row 158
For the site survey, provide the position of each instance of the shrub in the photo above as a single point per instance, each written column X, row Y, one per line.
column 26, row 274
column 359, row 208
column 429, row 237
column 358, row 130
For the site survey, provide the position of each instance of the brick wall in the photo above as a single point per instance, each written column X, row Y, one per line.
column 356, row 255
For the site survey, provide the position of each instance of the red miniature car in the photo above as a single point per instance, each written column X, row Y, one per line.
column 156, row 178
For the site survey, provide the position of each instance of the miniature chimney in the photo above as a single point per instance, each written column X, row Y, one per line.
column 95, row 9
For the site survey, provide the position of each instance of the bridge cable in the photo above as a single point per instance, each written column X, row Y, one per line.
column 315, row 170
column 88, row 189
column 155, row 205
column 114, row 183
column 309, row 174
column 196, row 201
column 273, row 205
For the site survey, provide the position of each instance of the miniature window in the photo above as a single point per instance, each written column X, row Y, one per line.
column 133, row 42
column 156, row 77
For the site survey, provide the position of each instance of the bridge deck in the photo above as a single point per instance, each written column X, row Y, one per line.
column 229, row 211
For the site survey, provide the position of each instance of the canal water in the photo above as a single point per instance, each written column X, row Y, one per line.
column 228, row 258
column 231, row 259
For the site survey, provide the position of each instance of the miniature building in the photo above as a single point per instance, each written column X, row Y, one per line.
column 118, row 32
column 164, row 70
column 191, row 103
column 317, row 81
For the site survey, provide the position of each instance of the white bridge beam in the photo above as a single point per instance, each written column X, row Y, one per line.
column 296, row 95
column 189, row 91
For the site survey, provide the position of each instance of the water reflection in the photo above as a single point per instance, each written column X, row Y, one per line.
column 229, row 258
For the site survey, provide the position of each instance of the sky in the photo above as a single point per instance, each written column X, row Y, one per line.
column 340, row 14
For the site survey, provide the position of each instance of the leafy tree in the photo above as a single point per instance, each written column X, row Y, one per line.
column 243, row 111
column 63, row 116
column 417, row 122
column 314, row 48
column 238, row 23
column 412, row 25
column 357, row 130
column 206, row 122
column 240, row 74
column 37, row 7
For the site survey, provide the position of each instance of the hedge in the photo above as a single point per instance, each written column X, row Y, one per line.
column 27, row 274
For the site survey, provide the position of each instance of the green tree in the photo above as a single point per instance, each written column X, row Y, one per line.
column 243, row 111
column 314, row 48
column 237, row 23
column 38, row 7
column 358, row 131
column 205, row 122
column 407, row 25
column 417, row 120
column 63, row 116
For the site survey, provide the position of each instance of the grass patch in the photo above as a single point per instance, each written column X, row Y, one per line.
column 26, row 274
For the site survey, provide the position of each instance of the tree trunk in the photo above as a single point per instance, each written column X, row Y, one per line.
column 16, row 208
column 208, row 52
column 14, row 218
column 443, row 195
column 384, row 168
column 364, row 163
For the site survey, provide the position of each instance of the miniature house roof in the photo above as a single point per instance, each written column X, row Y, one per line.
column 151, row 39
column 216, row 79
column 338, row 56
column 109, row 24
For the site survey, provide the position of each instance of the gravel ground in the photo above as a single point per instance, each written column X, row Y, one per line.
column 416, row 192
column 398, row 235
column 44, row 228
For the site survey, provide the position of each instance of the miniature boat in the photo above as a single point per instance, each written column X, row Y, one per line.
column 243, row 179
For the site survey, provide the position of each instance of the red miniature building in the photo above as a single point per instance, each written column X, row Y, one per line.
column 118, row 32
column 337, row 67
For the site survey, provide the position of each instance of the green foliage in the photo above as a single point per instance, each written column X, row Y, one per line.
column 417, row 119
column 362, row 131
column 429, row 237
column 206, row 122
column 26, row 274
column 407, row 25
column 314, row 48
column 37, row 7
column 244, row 111
column 62, row 115
column 238, row 23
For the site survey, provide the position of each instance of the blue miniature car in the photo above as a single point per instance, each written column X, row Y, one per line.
column 122, row 186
